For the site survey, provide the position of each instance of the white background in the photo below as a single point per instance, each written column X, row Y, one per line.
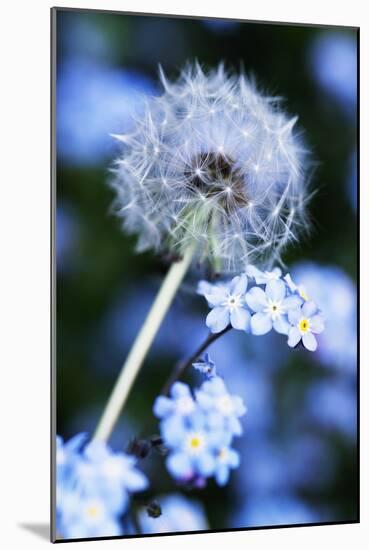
column 24, row 269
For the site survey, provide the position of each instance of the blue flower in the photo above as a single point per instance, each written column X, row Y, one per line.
column 199, row 436
column 306, row 321
column 263, row 277
column 206, row 366
column 228, row 305
column 332, row 405
column 222, row 408
column 193, row 446
column 86, row 516
column 93, row 101
column 335, row 292
column 111, row 475
column 67, row 455
column 93, row 487
column 283, row 508
column 180, row 403
column 179, row 513
column 271, row 307
column 294, row 288
column 334, row 63
column 226, row 460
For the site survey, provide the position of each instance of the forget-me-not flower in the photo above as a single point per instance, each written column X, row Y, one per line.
column 199, row 438
column 206, row 366
column 111, row 475
column 333, row 57
column 263, row 277
column 180, row 402
column 228, row 305
column 297, row 289
column 264, row 306
column 306, row 321
column 87, row 516
column 67, row 454
column 192, row 446
column 93, row 101
column 271, row 307
column 180, row 513
column 222, row 408
column 227, row 459
column 93, row 487
column 335, row 292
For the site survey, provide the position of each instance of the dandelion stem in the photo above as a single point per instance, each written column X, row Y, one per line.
column 141, row 346
column 186, row 363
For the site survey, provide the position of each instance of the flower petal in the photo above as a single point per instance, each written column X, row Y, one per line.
column 204, row 287
column 317, row 324
column 222, row 474
column 218, row 319
column 291, row 285
column 75, row 443
column 260, row 324
column 239, row 284
column 253, row 271
column 281, row 325
column 239, row 406
column 179, row 389
column 204, row 400
column 163, row 406
column 216, row 296
column 136, row 481
column 309, row 341
column 277, row 272
column 309, row 308
column 294, row 337
column 275, row 290
column 173, row 430
column 240, row 318
column 233, row 458
column 256, row 299
column 294, row 316
column 206, row 464
column 179, row 465
column 292, row 302
column 235, row 426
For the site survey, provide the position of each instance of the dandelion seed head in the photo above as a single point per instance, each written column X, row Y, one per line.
column 200, row 171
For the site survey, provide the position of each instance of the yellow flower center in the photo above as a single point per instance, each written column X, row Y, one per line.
column 195, row 442
column 304, row 325
column 222, row 455
column 233, row 301
column 92, row 511
column 274, row 309
column 303, row 295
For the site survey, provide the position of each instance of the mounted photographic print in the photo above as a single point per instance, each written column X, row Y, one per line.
column 204, row 297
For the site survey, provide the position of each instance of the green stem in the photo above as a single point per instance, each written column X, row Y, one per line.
column 141, row 346
column 186, row 363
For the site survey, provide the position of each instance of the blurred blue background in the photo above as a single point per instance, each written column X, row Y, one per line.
column 299, row 461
